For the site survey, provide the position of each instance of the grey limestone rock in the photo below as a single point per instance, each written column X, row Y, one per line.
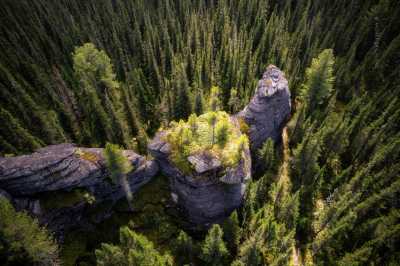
column 269, row 108
column 210, row 192
column 64, row 168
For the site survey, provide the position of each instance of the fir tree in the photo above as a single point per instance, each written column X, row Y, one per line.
column 222, row 132
column 133, row 249
column 232, row 232
column 319, row 81
column 267, row 156
column 199, row 103
column 184, row 249
column 22, row 240
column 213, row 250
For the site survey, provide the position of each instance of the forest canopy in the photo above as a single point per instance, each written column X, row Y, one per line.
column 97, row 72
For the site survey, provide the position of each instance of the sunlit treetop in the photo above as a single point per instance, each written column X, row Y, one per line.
column 212, row 132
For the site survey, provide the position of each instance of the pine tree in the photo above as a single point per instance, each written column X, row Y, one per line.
column 118, row 167
column 222, row 132
column 23, row 241
column 94, row 71
column 183, row 249
column 234, row 101
column 232, row 232
column 212, row 121
column 214, row 101
column 319, row 81
column 199, row 103
column 133, row 249
column 213, row 250
column 267, row 156
column 250, row 252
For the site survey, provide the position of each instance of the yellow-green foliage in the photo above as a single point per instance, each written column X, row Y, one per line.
column 88, row 156
column 23, row 240
column 244, row 127
column 212, row 132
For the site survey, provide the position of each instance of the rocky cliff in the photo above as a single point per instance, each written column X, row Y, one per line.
column 210, row 192
column 269, row 108
column 61, row 184
column 58, row 183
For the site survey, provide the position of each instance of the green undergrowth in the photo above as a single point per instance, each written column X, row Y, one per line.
column 213, row 133
column 151, row 217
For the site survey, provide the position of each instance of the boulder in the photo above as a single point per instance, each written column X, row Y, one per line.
column 42, row 177
column 269, row 109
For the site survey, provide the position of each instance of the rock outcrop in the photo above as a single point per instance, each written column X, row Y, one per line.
column 210, row 192
column 269, row 108
column 41, row 179
column 35, row 182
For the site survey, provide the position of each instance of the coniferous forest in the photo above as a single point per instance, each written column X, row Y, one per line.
column 113, row 74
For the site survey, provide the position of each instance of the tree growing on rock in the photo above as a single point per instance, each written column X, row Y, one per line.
column 234, row 101
column 118, row 166
column 222, row 132
column 215, row 102
column 212, row 121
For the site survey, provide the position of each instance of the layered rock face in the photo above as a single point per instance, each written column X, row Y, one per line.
column 210, row 192
column 37, row 180
column 269, row 108
column 34, row 182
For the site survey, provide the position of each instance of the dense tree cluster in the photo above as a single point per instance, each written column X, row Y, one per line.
column 100, row 71
column 157, row 60
column 211, row 133
column 22, row 240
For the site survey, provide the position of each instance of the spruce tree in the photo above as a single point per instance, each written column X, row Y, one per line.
column 234, row 101
column 232, row 232
column 133, row 249
column 183, row 107
column 183, row 249
column 214, row 251
column 267, row 156
column 118, row 166
column 22, row 240
column 222, row 132
column 199, row 103
column 212, row 121
column 319, row 81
